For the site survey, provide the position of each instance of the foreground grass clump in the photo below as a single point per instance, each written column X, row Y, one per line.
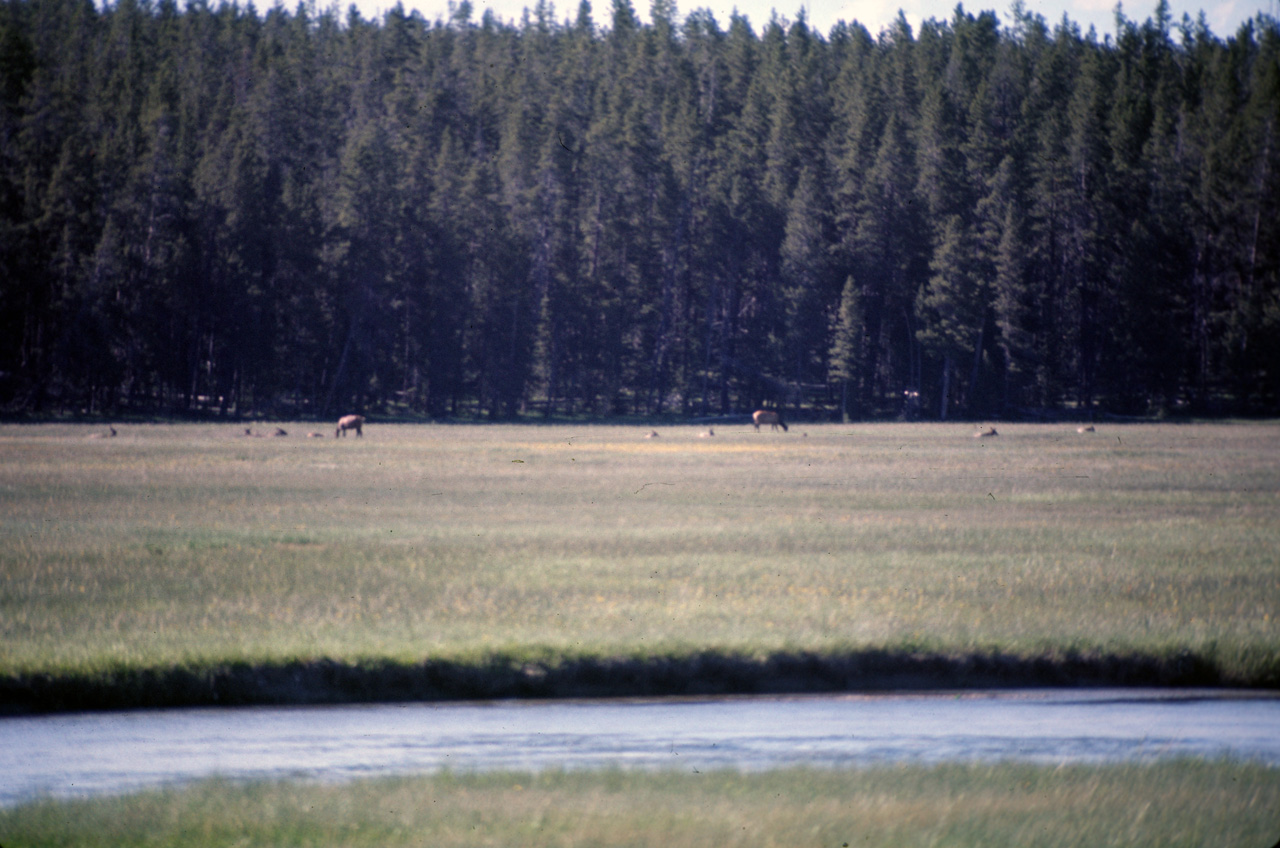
column 1182, row 803
column 193, row 546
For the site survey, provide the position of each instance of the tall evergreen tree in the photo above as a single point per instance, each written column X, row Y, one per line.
column 847, row 348
column 210, row 208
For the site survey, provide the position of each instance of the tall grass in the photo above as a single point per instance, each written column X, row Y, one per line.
column 191, row 544
column 1186, row 803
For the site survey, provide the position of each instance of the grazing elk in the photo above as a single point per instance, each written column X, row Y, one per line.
column 766, row 416
column 349, row 422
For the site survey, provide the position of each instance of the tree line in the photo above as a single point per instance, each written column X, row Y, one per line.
column 215, row 210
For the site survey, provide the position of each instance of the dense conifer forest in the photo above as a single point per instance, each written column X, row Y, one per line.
column 220, row 210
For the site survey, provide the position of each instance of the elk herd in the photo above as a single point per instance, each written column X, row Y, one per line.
column 345, row 423
column 774, row 420
column 758, row 418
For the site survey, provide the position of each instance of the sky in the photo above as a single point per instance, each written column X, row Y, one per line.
column 1223, row 16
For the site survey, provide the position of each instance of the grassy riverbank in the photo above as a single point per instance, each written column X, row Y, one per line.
column 190, row 552
column 1184, row 803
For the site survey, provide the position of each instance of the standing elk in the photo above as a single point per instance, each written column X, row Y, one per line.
column 766, row 416
column 349, row 422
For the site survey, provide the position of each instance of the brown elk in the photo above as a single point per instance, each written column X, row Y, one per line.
column 767, row 416
column 349, row 422
column 986, row 434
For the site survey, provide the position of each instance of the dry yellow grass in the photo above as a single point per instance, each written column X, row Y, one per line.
column 176, row 544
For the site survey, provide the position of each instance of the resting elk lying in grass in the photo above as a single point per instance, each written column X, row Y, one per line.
column 766, row 416
column 349, row 422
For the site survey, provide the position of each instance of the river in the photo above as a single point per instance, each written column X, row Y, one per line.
column 88, row 754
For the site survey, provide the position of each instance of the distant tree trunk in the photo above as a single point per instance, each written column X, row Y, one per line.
column 977, row 370
column 338, row 373
column 946, row 386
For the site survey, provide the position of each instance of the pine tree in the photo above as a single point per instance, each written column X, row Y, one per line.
column 846, row 353
column 952, row 306
column 808, row 291
column 205, row 206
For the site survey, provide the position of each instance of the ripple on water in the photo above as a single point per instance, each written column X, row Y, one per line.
column 98, row 753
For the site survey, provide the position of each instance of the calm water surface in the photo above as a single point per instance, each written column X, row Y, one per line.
column 88, row 754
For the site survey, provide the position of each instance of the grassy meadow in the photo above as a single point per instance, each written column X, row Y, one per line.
column 1180, row 803
column 192, row 545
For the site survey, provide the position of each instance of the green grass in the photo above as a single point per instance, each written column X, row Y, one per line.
column 180, row 545
column 1180, row 803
